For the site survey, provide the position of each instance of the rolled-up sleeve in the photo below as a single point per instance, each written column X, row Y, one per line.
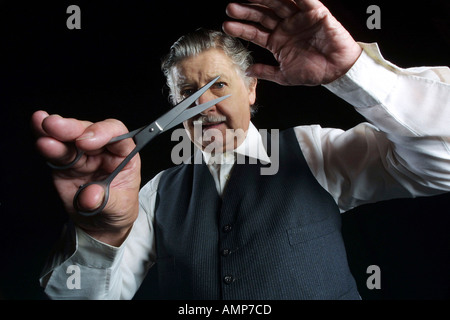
column 404, row 148
column 82, row 267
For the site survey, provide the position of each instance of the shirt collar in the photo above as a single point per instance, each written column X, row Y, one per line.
column 252, row 147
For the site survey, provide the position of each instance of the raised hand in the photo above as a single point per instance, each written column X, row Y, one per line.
column 57, row 138
column 309, row 44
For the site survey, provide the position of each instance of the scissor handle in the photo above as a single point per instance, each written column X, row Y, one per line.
column 140, row 140
column 141, row 137
column 69, row 165
column 105, row 185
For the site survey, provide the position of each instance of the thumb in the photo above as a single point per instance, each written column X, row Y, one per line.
column 91, row 197
column 264, row 72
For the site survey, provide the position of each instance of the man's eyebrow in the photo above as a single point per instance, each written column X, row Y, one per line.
column 183, row 83
column 222, row 77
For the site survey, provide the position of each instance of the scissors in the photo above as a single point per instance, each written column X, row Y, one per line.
column 141, row 137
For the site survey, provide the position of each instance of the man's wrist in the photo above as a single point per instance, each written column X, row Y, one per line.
column 368, row 82
column 353, row 56
column 113, row 238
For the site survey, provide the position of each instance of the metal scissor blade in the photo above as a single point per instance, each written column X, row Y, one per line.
column 167, row 118
column 178, row 112
column 189, row 113
column 126, row 135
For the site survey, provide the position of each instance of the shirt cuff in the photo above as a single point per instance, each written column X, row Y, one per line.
column 368, row 82
column 95, row 254
column 82, row 268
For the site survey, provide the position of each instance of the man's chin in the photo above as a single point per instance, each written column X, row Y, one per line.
column 216, row 147
column 218, row 140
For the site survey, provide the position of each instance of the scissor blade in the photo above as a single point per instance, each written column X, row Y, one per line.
column 194, row 111
column 167, row 118
column 173, row 117
column 126, row 135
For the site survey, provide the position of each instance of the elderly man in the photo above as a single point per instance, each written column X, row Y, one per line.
column 220, row 229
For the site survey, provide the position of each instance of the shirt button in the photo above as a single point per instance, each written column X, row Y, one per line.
column 227, row 228
column 228, row 279
column 226, row 252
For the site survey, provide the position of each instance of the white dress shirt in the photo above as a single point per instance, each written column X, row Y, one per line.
column 402, row 151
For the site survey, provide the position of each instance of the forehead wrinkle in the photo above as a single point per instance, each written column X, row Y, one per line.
column 196, row 71
column 205, row 63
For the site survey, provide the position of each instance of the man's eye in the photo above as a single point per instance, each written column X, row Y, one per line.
column 219, row 85
column 187, row 92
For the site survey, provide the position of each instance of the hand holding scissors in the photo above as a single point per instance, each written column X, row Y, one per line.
column 141, row 137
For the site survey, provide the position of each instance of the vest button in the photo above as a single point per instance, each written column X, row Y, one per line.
column 226, row 228
column 225, row 252
column 228, row 279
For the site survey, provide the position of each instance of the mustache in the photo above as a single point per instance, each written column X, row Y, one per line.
column 209, row 119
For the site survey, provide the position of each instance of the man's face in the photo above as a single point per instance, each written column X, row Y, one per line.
column 232, row 113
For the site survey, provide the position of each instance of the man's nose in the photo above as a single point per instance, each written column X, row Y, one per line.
column 205, row 97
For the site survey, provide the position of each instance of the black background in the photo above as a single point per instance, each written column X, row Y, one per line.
column 111, row 69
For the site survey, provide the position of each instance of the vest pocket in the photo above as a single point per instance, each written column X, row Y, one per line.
column 311, row 231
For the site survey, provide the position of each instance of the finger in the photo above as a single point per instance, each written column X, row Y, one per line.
column 91, row 197
column 36, row 123
column 306, row 5
column 53, row 131
column 55, row 151
column 254, row 13
column 246, row 32
column 98, row 135
column 64, row 129
column 282, row 8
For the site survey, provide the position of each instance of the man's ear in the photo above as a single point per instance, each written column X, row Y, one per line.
column 252, row 91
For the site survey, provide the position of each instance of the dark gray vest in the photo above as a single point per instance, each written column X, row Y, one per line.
column 269, row 236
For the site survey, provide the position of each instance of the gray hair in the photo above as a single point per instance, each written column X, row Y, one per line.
column 199, row 41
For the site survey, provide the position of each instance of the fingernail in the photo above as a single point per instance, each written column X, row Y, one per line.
column 86, row 135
